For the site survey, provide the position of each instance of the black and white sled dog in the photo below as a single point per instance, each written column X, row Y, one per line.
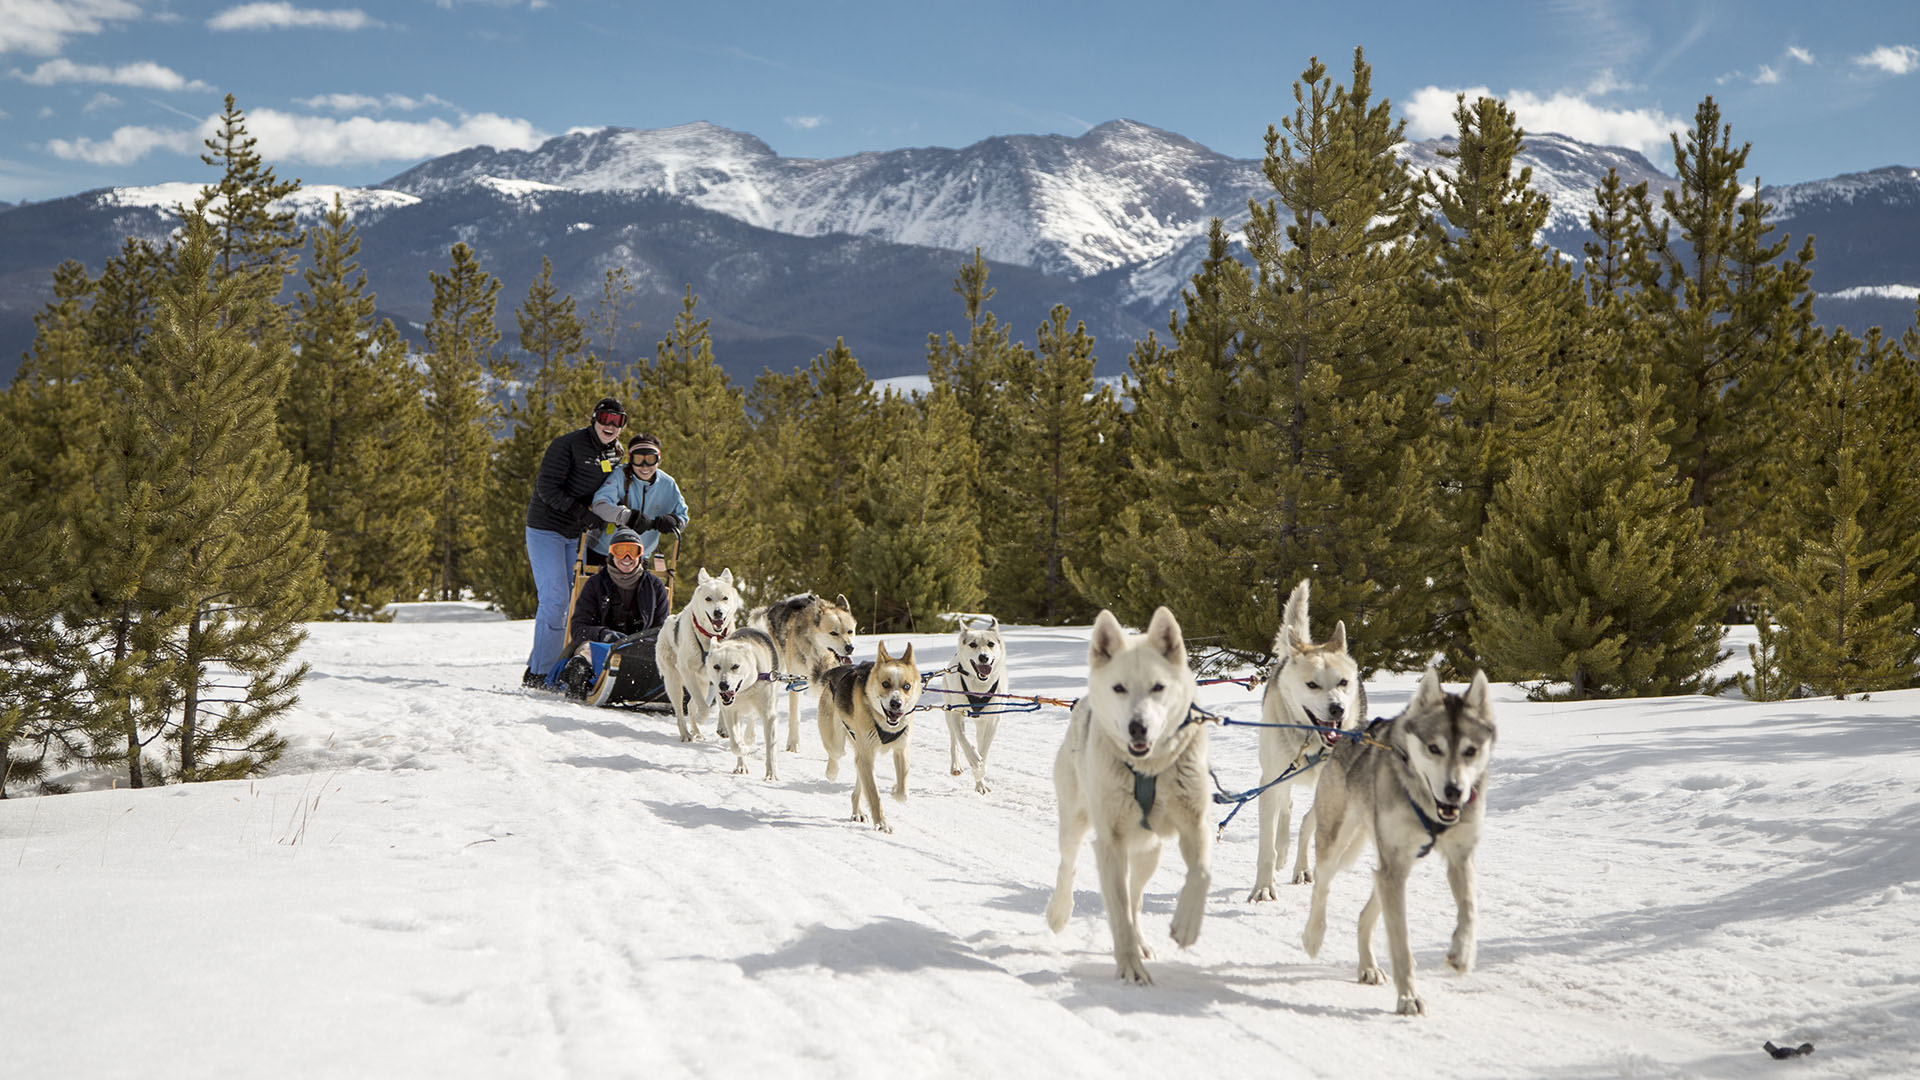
column 710, row 613
column 870, row 705
column 1421, row 788
column 813, row 635
column 1312, row 685
column 740, row 670
column 1133, row 768
column 979, row 671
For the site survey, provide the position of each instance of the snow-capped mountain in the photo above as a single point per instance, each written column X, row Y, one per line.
column 788, row 254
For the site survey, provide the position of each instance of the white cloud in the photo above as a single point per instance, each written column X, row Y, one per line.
column 368, row 103
column 1892, row 59
column 144, row 74
column 805, row 123
column 101, row 100
column 315, row 140
column 1766, row 76
column 1797, row 53
column 1429, row 113
column 281, row 16
column 126, row 146
column 1606, row 83
column 43, row 26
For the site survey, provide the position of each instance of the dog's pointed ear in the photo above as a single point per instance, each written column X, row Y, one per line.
column 1108, row 639
column 1429, row 695
column 1339, row 641
column 882, row 646
column 703, row 578
column 1476, row 698
column 841, row 599
column 908, row 658
column 726, row 575
column 1163, row 633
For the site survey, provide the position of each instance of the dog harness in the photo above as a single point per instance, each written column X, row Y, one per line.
column 977, row 703
column 1144, row 788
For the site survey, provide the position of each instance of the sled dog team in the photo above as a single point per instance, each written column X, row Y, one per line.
column 1133, row 766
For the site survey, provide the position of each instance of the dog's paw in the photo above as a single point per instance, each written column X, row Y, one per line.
column 1263, row 893
column 1132, row 970
column 900, row 793
column 771, row 775
column 1316, row 930
column 1460, row 957
column 1186, row 924
column 793, row 746
column 981, row 787
column 740, row 769
column 1303, row 877
column 1411, row 1005
column 1372, row 976
column 882, row 826
column 1059, row 910
column 953, row 770
column 833, row 770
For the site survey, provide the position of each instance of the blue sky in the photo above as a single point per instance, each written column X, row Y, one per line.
column 114, row 92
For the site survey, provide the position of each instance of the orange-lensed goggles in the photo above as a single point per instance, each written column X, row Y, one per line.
column 625, row 549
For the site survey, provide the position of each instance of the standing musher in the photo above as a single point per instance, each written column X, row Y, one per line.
column 573, row 468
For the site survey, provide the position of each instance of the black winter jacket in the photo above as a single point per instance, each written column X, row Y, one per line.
column 600, row 612
column 572, row 469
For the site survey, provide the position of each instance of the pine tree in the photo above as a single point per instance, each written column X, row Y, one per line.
column 560, row 384
column 1047, row 498
column 1504, row 307
column 1592, row 569
column 1723, row 331
column 816, row 429
column 356, row 417
column 1326, row 468
column 686, row 400
column 916, row 552
column 244, row 567
column 1843, row 565
column 460, row 340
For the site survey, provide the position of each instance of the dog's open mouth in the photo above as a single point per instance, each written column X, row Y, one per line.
column 1447, row 812
column 1329, row 733
column 983, row 669
column 1139, row 747
column 719, row 622
column 893, row 715
column 726, row 696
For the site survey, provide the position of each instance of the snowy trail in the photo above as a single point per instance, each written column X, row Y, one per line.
column 451, row 875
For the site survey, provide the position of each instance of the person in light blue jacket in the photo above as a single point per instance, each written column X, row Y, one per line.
column 641, row 496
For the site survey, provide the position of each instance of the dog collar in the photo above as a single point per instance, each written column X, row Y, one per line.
column 703, row 630
column 1436, row 828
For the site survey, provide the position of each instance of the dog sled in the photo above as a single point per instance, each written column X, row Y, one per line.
column 624, row 673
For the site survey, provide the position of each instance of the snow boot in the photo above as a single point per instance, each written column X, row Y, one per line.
column 577, row 677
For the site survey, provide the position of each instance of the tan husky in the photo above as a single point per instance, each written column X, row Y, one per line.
column 812, row 635
column 871, row 705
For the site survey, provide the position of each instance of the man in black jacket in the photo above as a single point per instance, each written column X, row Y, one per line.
column 572, row 469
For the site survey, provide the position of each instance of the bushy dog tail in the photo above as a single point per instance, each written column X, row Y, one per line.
column 1293, row 632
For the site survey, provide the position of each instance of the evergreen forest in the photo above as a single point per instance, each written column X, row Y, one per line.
column 1567, row 468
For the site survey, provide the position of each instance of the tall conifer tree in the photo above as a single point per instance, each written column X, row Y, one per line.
column 916, row 552
column 460, row 340
column 356, row 417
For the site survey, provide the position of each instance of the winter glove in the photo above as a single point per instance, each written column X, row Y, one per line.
column 609, row 635
column 664, row 523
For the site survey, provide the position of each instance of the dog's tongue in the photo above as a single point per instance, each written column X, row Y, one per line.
column 982, row 668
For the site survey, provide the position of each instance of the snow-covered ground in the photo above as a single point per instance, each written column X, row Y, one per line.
column 448, row 876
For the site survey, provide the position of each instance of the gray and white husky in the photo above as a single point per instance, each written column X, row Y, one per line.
column 710, row 613
column 740, row 671
column 979, row 670
column 1133, row 768
column 1414, row 784
column 813, row 635
column 1312, row 685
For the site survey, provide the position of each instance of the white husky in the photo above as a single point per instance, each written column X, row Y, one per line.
column 1311, row 686
column 740, row 671
column 712, row 611
column 1417, row 783
column 979, row 671
column 1133, row 768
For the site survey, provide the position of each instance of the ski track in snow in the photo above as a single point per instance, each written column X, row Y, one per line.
column 450, row 876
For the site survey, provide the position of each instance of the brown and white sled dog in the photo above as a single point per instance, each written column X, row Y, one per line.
column 813, row 636
column 1314, row 685
column 710, row 613
column 1133, row 769
column 740, row 671
column 870, row 705
column 979, row 670
column 1422, row 789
